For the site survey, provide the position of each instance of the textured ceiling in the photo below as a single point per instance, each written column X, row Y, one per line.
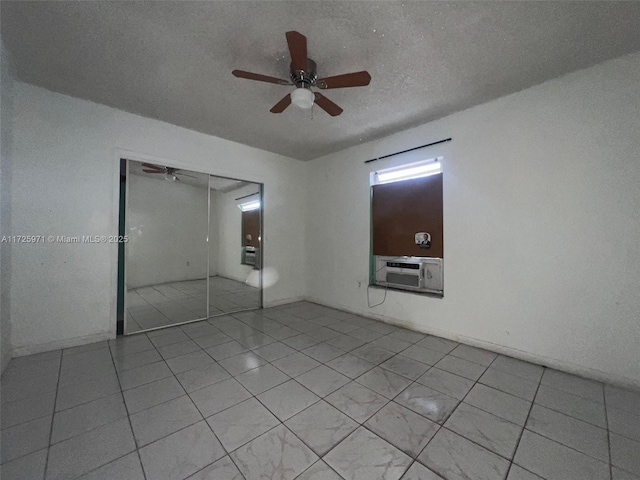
column 172, row 60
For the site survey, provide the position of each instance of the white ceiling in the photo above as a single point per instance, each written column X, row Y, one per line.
column 172, row 60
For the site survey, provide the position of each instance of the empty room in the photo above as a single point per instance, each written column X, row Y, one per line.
column 223, row 233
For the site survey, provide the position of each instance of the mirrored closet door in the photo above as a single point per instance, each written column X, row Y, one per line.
column 194, row 246
column 234, row 245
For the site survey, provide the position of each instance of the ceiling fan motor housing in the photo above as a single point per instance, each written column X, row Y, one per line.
column 302, row 78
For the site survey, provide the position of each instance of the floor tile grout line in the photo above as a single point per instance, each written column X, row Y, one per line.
column 523, row 427
column 235, row 464
column 91, row 429
column 606, row 419
column 567, row 446
column 515, row 451
column 441, row 425
column 476, row 382
column 572, row 417
column 203, row 418
column 534, row 403
column 135, row 440
column 53, row 415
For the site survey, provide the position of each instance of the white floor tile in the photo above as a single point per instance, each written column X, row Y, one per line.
column 554, row 461
column 580, row 436
column 402, row 428
column 491, row 432
column 90, row 450
column 181, row 454
column 287, row 399
column 456, row 458
column 390, row 407
column 321, row 426
column 277, row 454
column 242, row 423
column 156, row 422
column 363, row 455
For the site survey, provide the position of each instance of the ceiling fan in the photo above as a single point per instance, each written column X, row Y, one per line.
column 170, row 173
column 303, row 74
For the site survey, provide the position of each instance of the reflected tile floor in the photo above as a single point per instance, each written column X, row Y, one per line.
column 306, row 392
column 176, row 302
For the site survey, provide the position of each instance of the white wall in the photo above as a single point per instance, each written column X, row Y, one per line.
column 541, row 225
column 167, row 227
column 65, row 182
column 230, row 233
column 6, row 139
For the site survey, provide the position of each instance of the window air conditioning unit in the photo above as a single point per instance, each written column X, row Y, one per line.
column 419, row 274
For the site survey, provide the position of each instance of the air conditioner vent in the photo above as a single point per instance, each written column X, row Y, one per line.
column 402, row 279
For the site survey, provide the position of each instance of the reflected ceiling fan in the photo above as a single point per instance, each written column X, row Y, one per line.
column 303, row 74
column 171, row 174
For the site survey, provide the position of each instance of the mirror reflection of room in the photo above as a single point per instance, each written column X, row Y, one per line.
column 234, row 245
column 166, row 257
column 194, row 246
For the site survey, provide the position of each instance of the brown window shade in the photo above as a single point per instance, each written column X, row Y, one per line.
column 251, row 226
column 399, row 210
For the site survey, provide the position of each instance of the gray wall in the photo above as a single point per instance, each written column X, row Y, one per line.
column 6, row 127
column 167, row 228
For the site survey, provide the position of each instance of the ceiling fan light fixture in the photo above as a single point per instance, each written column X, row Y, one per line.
column 302, row 98
column 170, row 178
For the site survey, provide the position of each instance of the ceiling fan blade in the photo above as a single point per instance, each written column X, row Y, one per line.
column 259, row 77
column 154, row 167
column 356, row 79
column 281, row 105
column 327, row 105
column 298, row 50
column 152, row 171
column 185, row 175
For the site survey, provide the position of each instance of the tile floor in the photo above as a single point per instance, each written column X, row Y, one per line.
column 310, row 393
column 176, row 302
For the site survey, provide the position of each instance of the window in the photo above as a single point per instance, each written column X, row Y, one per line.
column 407, row 172
column 252, row 205
column 407, row 227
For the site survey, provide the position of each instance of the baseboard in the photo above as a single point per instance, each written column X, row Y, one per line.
column 284, row 301
column 230, row 277
column 4, row 361
column 550, row 362
column 22, row 350
column 131, row 287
